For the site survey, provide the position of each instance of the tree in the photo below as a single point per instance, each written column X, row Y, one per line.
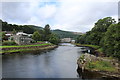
column 98, row 31
column 111, row 42
column 4, row 37
column 14, row 31
column 78, row 38
column 36, row 36
column 54, row 39
column 47, row 32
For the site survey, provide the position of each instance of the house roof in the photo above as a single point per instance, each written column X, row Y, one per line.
column 21, row 33
column 8, row 34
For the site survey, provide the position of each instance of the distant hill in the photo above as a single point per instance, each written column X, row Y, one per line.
column 25, row 28
column 66, row 34
column 31, row 28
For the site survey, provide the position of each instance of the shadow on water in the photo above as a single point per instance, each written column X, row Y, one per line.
column 88, row 75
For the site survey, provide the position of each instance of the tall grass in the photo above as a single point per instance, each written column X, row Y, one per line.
column 100, row 65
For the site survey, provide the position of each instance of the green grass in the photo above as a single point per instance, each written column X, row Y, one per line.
column 96, row 47
column 101, row 65
column 93, row 46
column 20, row 50
column 25, row 45
column 39, row 41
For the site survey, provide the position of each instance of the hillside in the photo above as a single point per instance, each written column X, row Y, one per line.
column 31, row 28
column 66, row 34
column 25, row 28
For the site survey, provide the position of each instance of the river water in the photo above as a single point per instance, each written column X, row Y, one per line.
column 58, row 63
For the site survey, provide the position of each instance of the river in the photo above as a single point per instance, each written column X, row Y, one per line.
column 58, row 63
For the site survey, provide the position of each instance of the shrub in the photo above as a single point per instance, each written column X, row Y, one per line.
column 8, row 43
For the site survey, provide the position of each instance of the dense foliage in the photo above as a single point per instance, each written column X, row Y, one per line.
column 45, row 35
column 30, row 29
column 9, row 43
column 39, row 33
column 111, row 41
column 105, row 33
column 96, row 34
column 54, row 39
column 47, row 32
column 4, row 37
column 36, row 36
column 49, row 36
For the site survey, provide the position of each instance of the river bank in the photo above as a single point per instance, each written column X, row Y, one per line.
column 100, row 65
column 95, row 49
column 24, row 48
column 56, row 63
column 98, row 62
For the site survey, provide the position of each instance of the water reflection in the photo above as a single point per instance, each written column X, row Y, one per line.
column 60, row 62
column 57, row 63
column 88, row 75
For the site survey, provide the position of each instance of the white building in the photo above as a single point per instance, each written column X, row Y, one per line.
column 67, row 40
column 21, row 38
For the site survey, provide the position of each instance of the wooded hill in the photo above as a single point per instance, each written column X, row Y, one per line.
column 66, row 34
column 30, row 29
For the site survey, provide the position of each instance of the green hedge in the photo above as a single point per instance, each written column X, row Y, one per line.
column 9, row 43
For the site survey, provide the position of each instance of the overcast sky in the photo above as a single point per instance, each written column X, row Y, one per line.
column 70, row 15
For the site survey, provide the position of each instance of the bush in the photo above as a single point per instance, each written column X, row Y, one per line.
column 33, row 41
column 8, row 43
column 54, row 39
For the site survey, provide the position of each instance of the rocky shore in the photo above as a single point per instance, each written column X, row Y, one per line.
column 110, row 68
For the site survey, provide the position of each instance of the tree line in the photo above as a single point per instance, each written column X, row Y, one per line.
column 46, row 35
column 39, row 33
column 106, row 34
column 30, row 29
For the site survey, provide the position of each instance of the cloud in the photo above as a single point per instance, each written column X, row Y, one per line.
column 70, row 15
column 82, row 16
column 15, row 12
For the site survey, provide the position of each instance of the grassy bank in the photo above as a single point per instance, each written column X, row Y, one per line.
column 26, row 45
column 87, row 45
column 97, row 48
column 101, row 66
column 21, row 48
column 31, row 49
column 104, row 64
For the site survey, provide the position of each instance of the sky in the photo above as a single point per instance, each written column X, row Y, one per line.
column 69, row 15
